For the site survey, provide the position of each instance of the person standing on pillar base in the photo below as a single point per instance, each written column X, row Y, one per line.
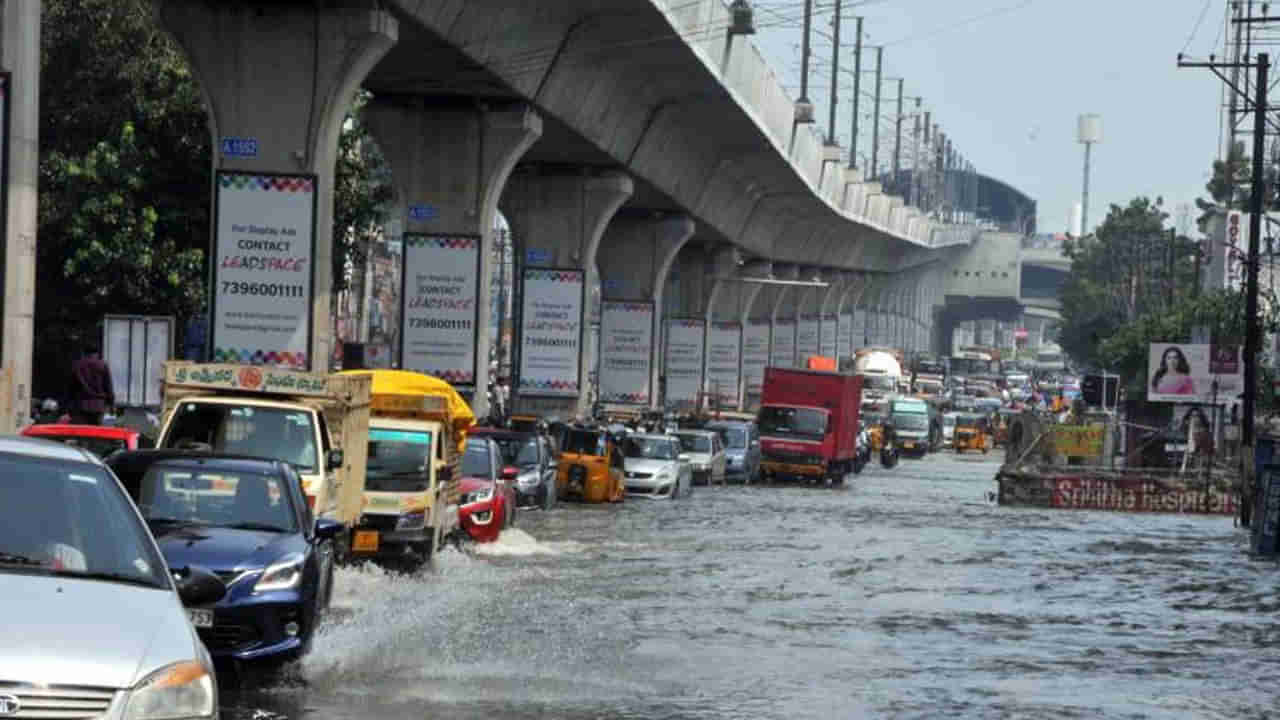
column 91, row 391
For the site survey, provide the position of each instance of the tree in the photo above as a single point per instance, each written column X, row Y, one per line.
column 124, row 177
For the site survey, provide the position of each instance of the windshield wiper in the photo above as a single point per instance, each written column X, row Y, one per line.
column 256, row 526
column 15, row 559
column 108, row 576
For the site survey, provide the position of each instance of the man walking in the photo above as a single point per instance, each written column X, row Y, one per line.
column 91, row 391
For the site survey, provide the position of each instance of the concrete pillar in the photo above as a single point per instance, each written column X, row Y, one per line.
column 455, row 160
column 635, row 260
column 20, row 46
column 562, row 218
column 284, row 76
column 785, row 302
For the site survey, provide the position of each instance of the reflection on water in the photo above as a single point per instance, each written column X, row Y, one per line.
column 906, row 594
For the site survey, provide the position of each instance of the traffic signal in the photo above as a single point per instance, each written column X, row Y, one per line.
column 1091, row 390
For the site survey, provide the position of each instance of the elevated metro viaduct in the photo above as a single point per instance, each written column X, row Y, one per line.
column 631, row 141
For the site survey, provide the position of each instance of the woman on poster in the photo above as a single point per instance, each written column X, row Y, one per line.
column 1174, row 375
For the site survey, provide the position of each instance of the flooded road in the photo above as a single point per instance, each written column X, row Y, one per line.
column 904, row 594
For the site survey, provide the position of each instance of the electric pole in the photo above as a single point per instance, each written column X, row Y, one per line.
column 835, row 74
column 857, row 92
column 897, row 141
column 875, row 121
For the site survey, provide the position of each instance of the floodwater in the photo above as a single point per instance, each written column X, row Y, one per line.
column 904, row 594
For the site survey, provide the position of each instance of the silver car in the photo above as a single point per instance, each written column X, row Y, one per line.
column 654, row 468
column 95, row 624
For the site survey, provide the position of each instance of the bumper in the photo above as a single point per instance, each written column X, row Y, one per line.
column 650, row 489
column 915, row 446
column 530, row 496
column 391, row 544
column 254, row 628
column 480, row 521
column 782, row 468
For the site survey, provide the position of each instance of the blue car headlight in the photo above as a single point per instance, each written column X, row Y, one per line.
column 283, row 574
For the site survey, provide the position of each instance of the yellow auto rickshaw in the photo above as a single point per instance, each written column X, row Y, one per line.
column 874, row 425
column 973, row 432
column 591, row 466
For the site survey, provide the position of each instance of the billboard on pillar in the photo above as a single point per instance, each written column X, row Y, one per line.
column 626, row 343
column 685, row 342
column 439, row 304
column 808, row 340
column 844, row 336
column 782, row 353
column 755, row 355
column 1194, row 373
column 551, row 332
column 263, row 269
column 724, row 342
column 830, row 328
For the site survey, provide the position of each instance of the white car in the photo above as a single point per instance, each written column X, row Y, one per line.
column 654, row 468
column 948, row 427
column 706, row 454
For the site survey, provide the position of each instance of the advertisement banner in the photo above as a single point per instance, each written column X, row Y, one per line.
column 685, row 338
column 551, row 333
column 1078, row 440
column 626, row 342
column 808, row 341
column 262, row 273
column 783, row 350
column 439, row 304
column 755, row 355
column 830, row 327
column 1193, row 373
column 844, row 336
column 1235, row 245
column 723, row 353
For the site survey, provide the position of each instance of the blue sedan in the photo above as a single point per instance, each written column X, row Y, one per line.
column 247, row 520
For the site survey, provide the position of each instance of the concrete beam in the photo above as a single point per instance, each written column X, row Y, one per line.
column 456, row 160
column 285, row 76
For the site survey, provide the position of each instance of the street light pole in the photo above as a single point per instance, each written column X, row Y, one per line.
column 804, row 53
column 897, row 141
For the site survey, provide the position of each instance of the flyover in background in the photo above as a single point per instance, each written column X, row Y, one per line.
column 602, row 129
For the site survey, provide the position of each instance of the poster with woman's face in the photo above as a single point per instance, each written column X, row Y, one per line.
column 1183, row 372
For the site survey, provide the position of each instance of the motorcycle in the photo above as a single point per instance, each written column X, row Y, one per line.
column 889, row 454
column 862, row 451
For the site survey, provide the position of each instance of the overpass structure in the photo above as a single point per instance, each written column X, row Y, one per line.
column 640, row 147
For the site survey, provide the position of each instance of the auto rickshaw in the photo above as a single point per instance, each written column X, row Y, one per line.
column 973, row 432
column 874, row 425
column 591, row 466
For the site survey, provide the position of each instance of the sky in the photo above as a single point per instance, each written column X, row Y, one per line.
column 1007, row 79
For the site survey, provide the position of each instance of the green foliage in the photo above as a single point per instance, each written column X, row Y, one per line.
column 362, row 196
column 124, row 177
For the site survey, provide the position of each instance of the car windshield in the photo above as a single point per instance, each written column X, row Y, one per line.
column 803, row 422
column 880, row 382
column 584, row 442
column 475, row 461
column 649, row 448
column 211, row 496
column 72, row 518
column 273, row 433
column 911, row 421
column 734, row 437
column 399, row 460
column 691, row 442
column 520, row 452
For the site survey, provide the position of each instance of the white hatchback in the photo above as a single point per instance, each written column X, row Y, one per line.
column 654, row 468
column 705, row 452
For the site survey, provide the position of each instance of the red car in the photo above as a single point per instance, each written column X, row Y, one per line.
column 488, row 503
column 98, row 439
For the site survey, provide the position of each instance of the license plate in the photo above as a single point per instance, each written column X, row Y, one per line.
column 909, row 444
column 200, row 618
column 365, row 541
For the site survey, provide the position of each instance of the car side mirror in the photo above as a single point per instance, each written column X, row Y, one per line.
column 335, row 459
column 328, row 528
column 198, row 586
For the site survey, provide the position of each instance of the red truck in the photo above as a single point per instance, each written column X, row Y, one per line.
column 808, row 423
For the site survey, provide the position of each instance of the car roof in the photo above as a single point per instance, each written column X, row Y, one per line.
column 69, row 430
column 46, row 449
column 502, row 433
column 650, row 436
column 693, row 431
column 193, row 459
column 731, row 423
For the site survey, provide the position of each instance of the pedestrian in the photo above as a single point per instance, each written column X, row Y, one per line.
column 91, row 391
